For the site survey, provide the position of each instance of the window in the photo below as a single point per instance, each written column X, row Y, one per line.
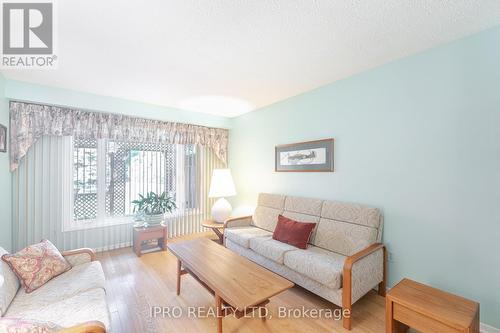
column 108, row 175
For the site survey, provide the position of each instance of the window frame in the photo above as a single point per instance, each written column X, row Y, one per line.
column 102, row 220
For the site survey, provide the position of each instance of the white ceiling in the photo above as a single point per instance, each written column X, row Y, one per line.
column 230, row 57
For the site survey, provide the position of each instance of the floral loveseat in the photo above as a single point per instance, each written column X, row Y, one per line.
column 344, row 259
column 74, row 301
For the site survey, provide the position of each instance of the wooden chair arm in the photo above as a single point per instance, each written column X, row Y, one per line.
column 349, row 262
column 84, row 250
column 347, row 276
column 87, row 327
column 228, row 221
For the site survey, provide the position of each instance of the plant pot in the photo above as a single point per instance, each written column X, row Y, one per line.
column 154, row 219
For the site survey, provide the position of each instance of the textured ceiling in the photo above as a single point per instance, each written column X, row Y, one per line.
column 230, row 57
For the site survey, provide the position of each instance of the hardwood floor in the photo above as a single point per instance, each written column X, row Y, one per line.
column 136, row 286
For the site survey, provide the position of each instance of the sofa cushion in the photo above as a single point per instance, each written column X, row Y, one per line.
column 275, row 201
column 9, row 284
column 344, row 238
column 79, row 279
column 242, row 236
column 303, row 205
column 351, row 213
column 17, row 325
column 317, row 264
column 266, row 218
column 270, row 248
column 293, row 233
column 36, row 264
column 86, row 306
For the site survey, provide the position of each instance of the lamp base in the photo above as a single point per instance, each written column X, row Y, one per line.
column 221, row 210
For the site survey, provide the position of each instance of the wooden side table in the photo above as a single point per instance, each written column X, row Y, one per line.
column 426, row 309
column 141, row 234
column 217, row 228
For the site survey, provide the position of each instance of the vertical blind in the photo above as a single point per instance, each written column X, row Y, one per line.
column 44, row 192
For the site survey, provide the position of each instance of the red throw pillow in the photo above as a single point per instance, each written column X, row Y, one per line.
column 36, row 264
column 292, row 232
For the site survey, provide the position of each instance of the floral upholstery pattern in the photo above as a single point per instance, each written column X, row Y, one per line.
column 275, row 201
column 79, row 279
column 266, row 218
column 344, row 238
column 78, row 259
column 10, row 285
column 317, row 264
column 83, row 307
column 303, row 205
column 366, row 274
column 36, row 264
column 270, row 248
column 18, row 325
column 352, row 213
column 242, row 236
column 332, row 295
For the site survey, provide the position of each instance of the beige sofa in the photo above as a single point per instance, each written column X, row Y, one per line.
column 344, row 260
column 75, row 299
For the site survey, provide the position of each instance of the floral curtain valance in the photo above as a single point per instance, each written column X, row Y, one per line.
column 29, row 122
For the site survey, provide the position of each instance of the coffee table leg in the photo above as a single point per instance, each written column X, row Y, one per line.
column 218, row 306
column 179, row 268
column 262, row 313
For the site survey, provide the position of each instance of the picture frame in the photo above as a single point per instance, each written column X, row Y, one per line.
column 3, row 139
column 308, row 156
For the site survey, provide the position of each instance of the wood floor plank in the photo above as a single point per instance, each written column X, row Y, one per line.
column 135, row 285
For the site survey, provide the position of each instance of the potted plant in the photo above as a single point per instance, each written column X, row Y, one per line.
column 153, row 206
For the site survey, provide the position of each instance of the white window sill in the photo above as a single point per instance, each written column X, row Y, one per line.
column 94, row 224
column 115, row 221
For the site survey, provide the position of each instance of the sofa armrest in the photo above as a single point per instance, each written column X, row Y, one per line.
column 87, row 327
column 362, row 271
column 79, row 256
column 243, row 221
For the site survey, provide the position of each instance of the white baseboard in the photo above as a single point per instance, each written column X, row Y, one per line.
column 113, row 247
column 488, row 329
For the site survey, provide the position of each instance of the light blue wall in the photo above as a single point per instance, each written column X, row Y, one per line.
column 419, row 138
column 23, row 91
column 5, row 192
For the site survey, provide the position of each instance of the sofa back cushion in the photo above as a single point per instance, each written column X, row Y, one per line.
column 267, row 211
column 347, row 228
column 303, row 210
column 9, row 284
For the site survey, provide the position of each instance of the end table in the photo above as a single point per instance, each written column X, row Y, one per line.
column 427, row 309
column 217, row 228
column 141, row 234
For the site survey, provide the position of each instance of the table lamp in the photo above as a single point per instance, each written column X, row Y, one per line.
column 221, row 186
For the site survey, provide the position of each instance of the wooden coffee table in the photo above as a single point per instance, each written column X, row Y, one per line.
column 238, row 285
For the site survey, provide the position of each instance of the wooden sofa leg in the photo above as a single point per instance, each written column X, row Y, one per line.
column 382, row 285
column 346, row 317
column 381, row 288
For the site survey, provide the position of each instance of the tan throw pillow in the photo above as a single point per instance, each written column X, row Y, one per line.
column 18, row 325
column 37, row 264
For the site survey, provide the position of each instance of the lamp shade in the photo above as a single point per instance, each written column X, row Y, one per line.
column 222, row 184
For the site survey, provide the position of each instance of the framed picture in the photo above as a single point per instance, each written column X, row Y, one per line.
column 3, row 139
column 310, row 156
